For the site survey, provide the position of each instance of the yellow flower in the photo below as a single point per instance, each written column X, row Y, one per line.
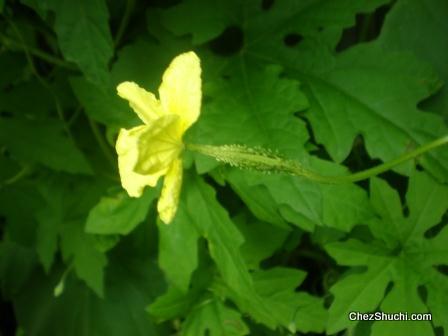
column 152, row 150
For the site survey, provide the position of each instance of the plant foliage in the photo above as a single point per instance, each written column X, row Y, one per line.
column 339, row 85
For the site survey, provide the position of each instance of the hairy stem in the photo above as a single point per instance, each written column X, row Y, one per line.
column 264, row 160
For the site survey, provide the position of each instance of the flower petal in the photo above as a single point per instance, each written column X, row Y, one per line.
column 144, row 103
column 180, row 91
column 127, row 150
column 169, row 198
column 160, row 145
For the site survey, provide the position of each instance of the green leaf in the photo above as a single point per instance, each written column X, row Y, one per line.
column 104, row 243
column 262, row 25
column 261, row 239
column 50, row 146
column 132, row 61
column 119, row 214
column 213, row 222
column 19, row 204
column 84, row 36
column 357, row 292
column 338, row 92
column 311, row 315
column 205, row 21
column 175, row 303
column 354, row 82
column 300, row 201
column 294, row 310
column 88, row 261
column 427, row 202
column 215, row 319
column 336, row 86
column 224, row 242
column 172, row 304
column 268, row 282
column 121, row 312
column 386, row 202
column 420, row 27
column 39, row 6
column 63, row 217
column 178, row 250
column 257, row 198
column 103, row 106
column 28, row 99
column 11, row 67
column 437, row 296
column 245, row 110
column 403, row 297
column 408, row 262
column 16, row 265
column 386, row 104
column 424, row 199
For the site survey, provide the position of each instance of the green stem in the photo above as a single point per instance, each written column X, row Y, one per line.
column 59, row 289
column 74, row 116
column 124, row 21
column 44, row 83
column 101, row 142
column 25, row 171
column 13, row 45
column 365, row 174
column 264, row 160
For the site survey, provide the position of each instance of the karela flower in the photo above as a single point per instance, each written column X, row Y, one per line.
column 152, row 150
